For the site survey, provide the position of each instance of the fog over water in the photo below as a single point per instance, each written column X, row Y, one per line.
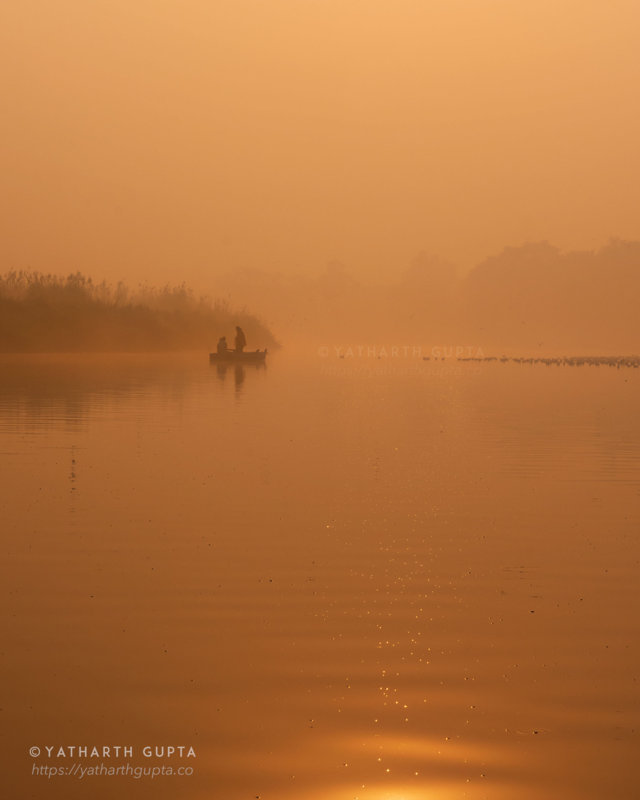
column 396, row 557
column 530, row 299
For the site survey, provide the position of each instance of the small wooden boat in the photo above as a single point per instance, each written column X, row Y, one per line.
column 236, row 357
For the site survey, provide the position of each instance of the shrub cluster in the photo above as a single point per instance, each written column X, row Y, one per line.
column 49, row 313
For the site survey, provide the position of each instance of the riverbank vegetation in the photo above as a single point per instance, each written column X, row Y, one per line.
column 49, row 313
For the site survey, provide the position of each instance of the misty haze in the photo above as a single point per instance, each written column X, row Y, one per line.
column 319, row 390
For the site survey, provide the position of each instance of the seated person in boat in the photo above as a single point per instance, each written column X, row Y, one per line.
column 241, row 342
column 222, row 346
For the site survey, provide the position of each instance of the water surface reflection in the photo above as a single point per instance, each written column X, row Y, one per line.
column 392, row 587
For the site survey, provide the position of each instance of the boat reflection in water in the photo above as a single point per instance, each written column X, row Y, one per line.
column 238, row 360
column 238, row 368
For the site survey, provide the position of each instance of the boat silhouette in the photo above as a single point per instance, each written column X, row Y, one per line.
column 238, row 356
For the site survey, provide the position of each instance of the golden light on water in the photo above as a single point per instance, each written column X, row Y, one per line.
column 394, row 557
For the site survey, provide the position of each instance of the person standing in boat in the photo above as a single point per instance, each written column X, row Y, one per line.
column 241, row 341
column 222, row 345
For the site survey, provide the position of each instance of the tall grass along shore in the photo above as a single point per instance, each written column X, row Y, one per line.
column 50, row 313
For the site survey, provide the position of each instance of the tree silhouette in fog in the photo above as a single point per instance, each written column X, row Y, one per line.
column 536, row 295
column 48, row 313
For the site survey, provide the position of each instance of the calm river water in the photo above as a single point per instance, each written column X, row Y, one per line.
column 332, row 578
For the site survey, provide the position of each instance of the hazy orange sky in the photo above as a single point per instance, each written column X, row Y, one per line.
column 172, row 139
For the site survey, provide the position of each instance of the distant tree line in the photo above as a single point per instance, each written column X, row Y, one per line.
column 49, row 313
column 537, row 295
column 532, row 297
